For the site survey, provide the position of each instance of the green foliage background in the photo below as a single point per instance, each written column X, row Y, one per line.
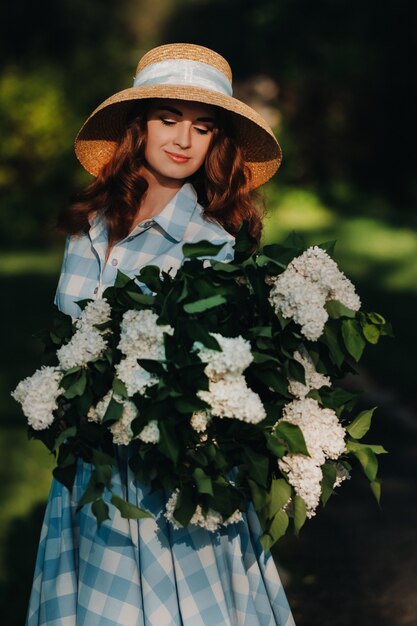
column 344, row 112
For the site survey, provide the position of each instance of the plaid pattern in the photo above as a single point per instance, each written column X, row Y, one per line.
column 144, row 572
column 156, row 241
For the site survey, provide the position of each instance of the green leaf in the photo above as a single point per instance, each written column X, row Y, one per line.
column 141, row 298
column 68, row 432
column 103, row 475
column 293, row 437
column 189, row 405
column 100, row 511
column 65, row 475
column 296, row 371
column 168, row 443
column 92, row 492
column 375, row 486
column 361, row 424
column 327, row 483
column 128, row 510
column 328, row 246
column 277, row 498
column 101, row 458
column 185, row 507
column 300, row 513
column 376, row 318
column 150, row 276
column 113, row 412
column 330, row 337
column 258, row 466
column 119, row 388
column 77, row 388
column 205, row 303
column 353, row 446
column 201, row 249
column 366, row 457
column 371, row 333
column 259, row 495
column 275, row 446
column 336, row 309
column 121, row 280
column 353, row 338
column 279, row 526
column 203, row 482
column 152, row 366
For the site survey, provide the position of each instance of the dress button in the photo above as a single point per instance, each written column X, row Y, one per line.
column 114, row 262
column 96, row 290
column 130, row 239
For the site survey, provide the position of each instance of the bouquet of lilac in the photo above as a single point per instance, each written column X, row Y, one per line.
column 222, row 380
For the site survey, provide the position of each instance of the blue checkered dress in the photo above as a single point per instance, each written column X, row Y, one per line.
column 144, row 572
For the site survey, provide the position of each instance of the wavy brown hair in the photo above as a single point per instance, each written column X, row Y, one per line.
column 117, row 192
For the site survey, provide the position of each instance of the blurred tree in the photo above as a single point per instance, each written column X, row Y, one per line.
column 344, row 75
column 342, row 71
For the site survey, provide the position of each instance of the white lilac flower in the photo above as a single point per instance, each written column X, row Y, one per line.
column 341, row 474
column 96, row 413
column 323, row 433
column 231, row 397
column 302, row 290
column 211, row 521
column 200, row 420
column 95, row 312
column 38, row 396
column 150, row 433
column 305, row 476
column 84, row 346
column 298, row 298
column 121, row 430
column 170, row 508
column 135, row 378
column 140, row 335
column 313, row 380
column 235, row 356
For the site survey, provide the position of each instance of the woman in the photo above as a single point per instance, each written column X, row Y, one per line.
column 174, row 158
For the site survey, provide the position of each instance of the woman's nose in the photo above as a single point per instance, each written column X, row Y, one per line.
column 183, row 135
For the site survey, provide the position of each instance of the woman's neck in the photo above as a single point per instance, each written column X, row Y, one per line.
column 159, row 192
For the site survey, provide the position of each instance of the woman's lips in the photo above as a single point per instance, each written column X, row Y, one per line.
column 177, row 158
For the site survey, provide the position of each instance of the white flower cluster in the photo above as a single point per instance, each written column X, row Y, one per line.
column 38, row 396
column 341, row 474
column 150, row 433
column 211, row 521
column 87, row 343
column 231, row 397
column 303, row 289
column 228, row 394
column 200, row 420
column 235, row 356
column 140, row 338
column 313, row 380
column 94, row 313
column 121, row 430
column 325, row 439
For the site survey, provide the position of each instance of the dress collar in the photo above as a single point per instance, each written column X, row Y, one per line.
column 174, row 217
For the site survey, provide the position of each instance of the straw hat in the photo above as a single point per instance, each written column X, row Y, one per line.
column 183, row 72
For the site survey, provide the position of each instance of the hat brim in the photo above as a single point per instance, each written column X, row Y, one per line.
column 99, row 135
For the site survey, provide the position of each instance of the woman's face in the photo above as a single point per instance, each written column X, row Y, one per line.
column 178, row 138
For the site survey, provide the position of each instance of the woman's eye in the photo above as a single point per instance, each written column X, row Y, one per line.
column 167, row 122
column 203, row 131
